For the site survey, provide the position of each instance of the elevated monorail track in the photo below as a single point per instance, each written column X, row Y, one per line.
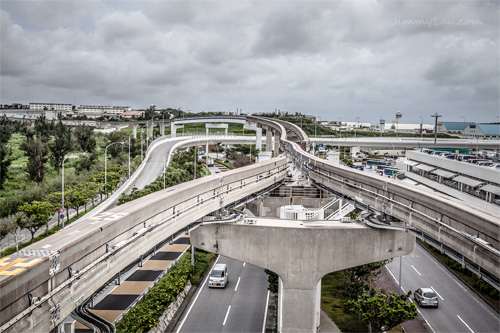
column 60, row 272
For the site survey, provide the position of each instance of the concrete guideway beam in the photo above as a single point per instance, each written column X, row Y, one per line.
column 301, row 254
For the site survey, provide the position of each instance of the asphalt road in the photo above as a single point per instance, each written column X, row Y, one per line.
column 240, row 307
column 460, row 309
column 155, row 165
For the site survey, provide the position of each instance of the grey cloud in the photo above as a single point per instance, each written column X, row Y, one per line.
column 333, row 59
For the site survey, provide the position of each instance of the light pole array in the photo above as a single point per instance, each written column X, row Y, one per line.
column 106, row 166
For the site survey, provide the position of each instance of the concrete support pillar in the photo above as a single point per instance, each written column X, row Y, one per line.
column 258, row 142
column 150, row 130
column 173, row 129
column 269, row 140
column 301, row 256
column 162, row 129
column 134, row 130
column 276, row 144
column 297, row 306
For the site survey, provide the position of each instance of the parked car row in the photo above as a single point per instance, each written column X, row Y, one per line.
column 484, row 159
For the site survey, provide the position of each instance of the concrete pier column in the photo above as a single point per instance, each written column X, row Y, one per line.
column 301, row 256
column 269, row 140
column 298, row 304
column 134, row 130
column 173, row 129
column 276, row 144
column 258, row 143
column 162, row 129
column 150, row 130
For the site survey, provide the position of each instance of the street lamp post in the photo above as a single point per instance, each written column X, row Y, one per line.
column 129, row 154
column 164, row 169
column 64, row 159
column 436, row 116
column 195, row 161
column 106, row 166
column 422, row 128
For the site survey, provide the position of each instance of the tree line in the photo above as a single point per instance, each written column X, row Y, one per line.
column 46, row 145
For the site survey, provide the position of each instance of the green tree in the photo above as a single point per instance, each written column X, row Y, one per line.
column 36, row 215
column 55, row 200
column 6, row 130
column 77, row 197
column 383, row 312
column 8, row 226
column 85, row 138
column 356, row 278
column 116, row 136
column 60, row 145
column 36, row 149
column 43, row 128
column 86, row 162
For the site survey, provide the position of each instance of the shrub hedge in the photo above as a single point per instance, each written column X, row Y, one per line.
column 144, row 316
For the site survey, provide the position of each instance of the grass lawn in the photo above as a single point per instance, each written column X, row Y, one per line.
column 332, row 303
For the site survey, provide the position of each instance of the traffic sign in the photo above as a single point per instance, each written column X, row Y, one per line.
column 62, row 216
column 61, row 210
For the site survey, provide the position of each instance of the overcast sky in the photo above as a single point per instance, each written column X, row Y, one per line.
column 333, row 59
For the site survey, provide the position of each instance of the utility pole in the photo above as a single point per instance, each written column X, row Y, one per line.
column 436, row 116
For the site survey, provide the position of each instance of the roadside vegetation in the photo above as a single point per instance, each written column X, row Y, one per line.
column 487, row 292
column 352, row 301
column 31, row 160
column 144, row 316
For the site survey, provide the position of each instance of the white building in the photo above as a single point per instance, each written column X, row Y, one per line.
column 102, row 110
column 51, row 107
column 405, row 128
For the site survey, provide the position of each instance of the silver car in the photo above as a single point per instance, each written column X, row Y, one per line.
column 426, row 297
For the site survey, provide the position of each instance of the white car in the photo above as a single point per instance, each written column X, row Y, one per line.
column 218, row 276
column 426, row 297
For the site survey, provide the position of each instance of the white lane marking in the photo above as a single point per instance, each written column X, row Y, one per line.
column 439, row 264
column 237, row 283
column 437, row 293
column 227, row 314
column 465, row 323
column 265, row 313
column 411, row 301
column 403, row 289
column 425, row 319
column 196, row 298
column 244, row 264
column 416, row 270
